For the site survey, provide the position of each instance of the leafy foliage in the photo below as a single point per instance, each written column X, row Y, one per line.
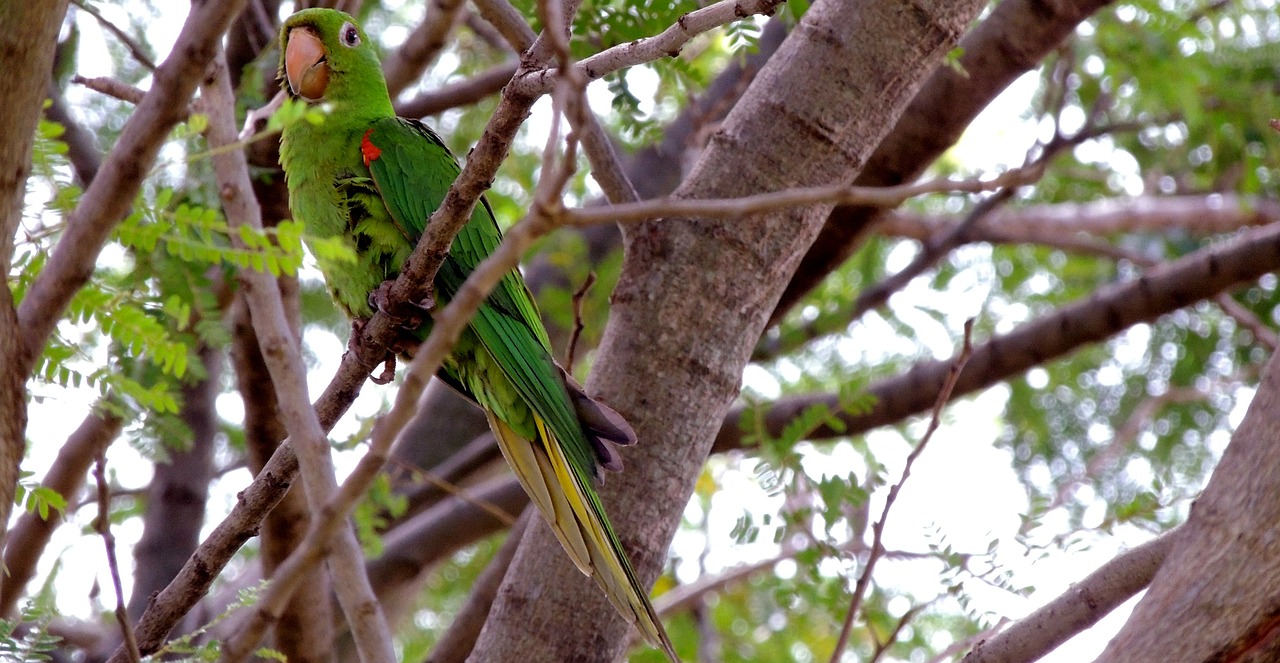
column 26, row 639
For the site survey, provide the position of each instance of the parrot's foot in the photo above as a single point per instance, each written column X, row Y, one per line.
column 388, row 371
column 380, row 300
column 388, row 367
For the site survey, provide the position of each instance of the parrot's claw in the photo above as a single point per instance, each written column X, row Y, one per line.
column 353, row 344
column 388, row 371
column 380, row 300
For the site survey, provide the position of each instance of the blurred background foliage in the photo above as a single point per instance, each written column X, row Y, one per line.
column 1115, row 439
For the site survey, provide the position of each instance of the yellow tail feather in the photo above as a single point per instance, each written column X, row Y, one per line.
column 545, row 473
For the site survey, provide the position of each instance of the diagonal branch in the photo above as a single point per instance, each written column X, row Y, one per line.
column 1079, row 608
column 668, row 43
column 877, row 528
column 289, row 374
column 1196, row 276
column 1009, row 42
column 30, row 535
column 108, row 199
column 408, row 62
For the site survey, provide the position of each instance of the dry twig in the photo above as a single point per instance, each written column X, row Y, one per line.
column 877, row 529
column 103, row 525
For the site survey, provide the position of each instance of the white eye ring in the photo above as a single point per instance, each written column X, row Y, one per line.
column 350, row 35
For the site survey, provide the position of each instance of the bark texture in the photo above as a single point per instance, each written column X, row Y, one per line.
column 27, row 44
column 1217, row 596
column 799, row 124
column 1014, row 38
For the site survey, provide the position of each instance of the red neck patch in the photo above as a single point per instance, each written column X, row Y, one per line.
column 368, row 150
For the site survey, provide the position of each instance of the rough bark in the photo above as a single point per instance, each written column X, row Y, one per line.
column 798, row 124
column 1216, row 596
column 27, row 45
column 1007, row 44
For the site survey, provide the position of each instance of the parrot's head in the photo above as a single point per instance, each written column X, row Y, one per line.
column 326, row 56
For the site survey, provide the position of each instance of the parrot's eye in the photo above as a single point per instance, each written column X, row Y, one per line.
column 350, row 35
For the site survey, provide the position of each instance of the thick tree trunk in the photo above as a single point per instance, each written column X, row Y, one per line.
column 1016, row 36
column 1217, row 595
column 27, row 44
column 811, row 117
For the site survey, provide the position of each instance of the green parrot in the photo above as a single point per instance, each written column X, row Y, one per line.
column 374, row 178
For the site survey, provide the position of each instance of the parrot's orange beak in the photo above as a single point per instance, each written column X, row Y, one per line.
column 305, row 65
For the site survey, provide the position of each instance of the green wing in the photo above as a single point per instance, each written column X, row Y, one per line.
column 551, row 433
column 413, row 170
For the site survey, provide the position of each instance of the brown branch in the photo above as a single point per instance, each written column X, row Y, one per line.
column 81, row 152
column 111, row 87
column 726, row 208
column 877, row 528
column 110, row 196
column 1078, row 608
column 578, row 296
column 1011, row 40
column 1196, row 276
column 289, row 374
column 1196, row 215
column 103, row 526
column 433, row 535
column 486, row 32
column 407, row 63
column 135, row 49
column 459, row 93
column 1262, row 333
column 28, row 43
column 460, row 638
column 668, row 43
column 30, row 535
column 305, row 630
column 1141, row 415
column 509, row 22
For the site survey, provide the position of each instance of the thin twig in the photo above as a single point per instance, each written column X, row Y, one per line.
column 578, row 326
column 134, row 47
column 877, row 529
column 103, row 525
column 288, row 374
column 111, row 87
column 721, row 208
column 882, row 647
column 647, row 49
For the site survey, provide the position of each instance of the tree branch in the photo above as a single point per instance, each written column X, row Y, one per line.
column 460, row 638
column 108, row 199
column 288, row 373
column 407, row 63
column 668, row 43
column 877, row 528
column 459, row 93
column 30, row 535
column 1196, row 276
column 1079, row 608
column 1006, row 44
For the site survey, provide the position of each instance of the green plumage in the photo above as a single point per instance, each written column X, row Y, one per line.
column 374, row 179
